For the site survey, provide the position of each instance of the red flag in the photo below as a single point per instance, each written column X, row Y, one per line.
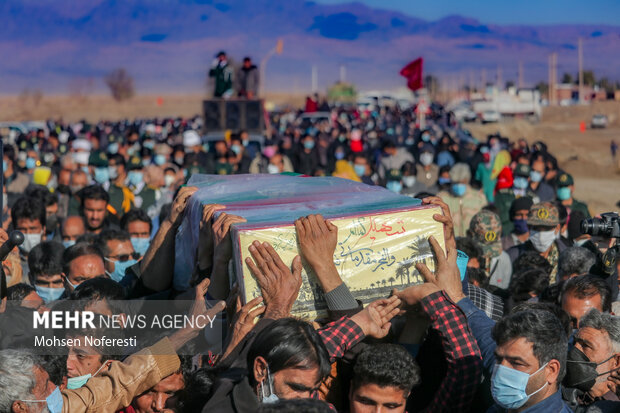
column 413, row 73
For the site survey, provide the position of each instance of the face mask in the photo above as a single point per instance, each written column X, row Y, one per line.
column 409, row 181
column 339, row 155
column 520, row 182
column 135, row 177
column 50, row 223
column 30, row 241
column 30, row 163
column 409, row 142
column 49, row 294
column 360, row 170
column 394, row 186
column 81, row 157
column 535, row 176
column 112, row 172
column 168, row 180
column 443, row 181
column 179, row 160
column 459, row 189
column 119, row 269
column 426, row 158
column 245, row 142
column 236, row 149
column 102, row 175
column 508, row 386
column 426, row 137
column 520, row 226
column 160, row 159
column 542, row 240
column 581, row 372
column 5, row 166
column 268, row 396
column 269, row 151
column 140, row 245
column 54, row 401
column 563, row 193
column 113, row 148
column 68, row 243
column 272, row 169
column 86, row 171
column 146, row 161
column 309, row 144
column 77, row 382
column 149, row 144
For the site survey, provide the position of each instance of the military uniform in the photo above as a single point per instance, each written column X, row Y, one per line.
column 543, row 214
column 145, row 197
column 463, row 208
column 486, row 229
column 566, row 180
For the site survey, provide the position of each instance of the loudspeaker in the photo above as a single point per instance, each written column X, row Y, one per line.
column 235, row 115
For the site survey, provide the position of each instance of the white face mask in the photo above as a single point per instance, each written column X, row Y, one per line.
column 542, row 240
column 272, row 169
column 169, row 180
column 30, row 241
column 81, row 157
column 409, row 181
column 426, row 158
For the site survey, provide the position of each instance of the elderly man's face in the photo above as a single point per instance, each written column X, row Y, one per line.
column 82, row 359
column 597, row 346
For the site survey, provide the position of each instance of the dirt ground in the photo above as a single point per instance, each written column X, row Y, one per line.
column 585, row 155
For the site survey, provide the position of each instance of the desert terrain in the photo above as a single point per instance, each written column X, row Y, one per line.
column 585, row 155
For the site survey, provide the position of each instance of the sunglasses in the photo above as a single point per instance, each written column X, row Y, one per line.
column 125, row 257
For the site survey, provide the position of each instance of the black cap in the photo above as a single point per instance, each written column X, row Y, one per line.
column 525, row 202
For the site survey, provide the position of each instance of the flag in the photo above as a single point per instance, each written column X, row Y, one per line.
column 413, row 73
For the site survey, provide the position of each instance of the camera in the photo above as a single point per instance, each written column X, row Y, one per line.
column 608, row 225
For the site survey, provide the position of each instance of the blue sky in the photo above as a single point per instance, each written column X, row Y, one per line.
column 507, row 11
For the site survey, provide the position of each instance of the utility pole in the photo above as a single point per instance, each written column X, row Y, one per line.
column 315, row 79
column 520, row 74
column 499, row 78
column 483, row 79
column 580, row 52
column 553, row 78
column 262, row 69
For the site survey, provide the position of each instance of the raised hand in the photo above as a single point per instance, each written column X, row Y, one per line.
column 243, row 321
column 180, row 203
column 445, row 219
column 221, row 237
column 374, row 320
column 278, row 283
column 205, row 240
column 317, row 242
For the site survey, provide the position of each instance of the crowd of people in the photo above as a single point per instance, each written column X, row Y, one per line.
column 526, row 326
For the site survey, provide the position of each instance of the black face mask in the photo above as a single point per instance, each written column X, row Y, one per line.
column 580, row 371
column 51, row 223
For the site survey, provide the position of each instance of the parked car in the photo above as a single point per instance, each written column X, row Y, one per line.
column 599, row 121
column 489, row 116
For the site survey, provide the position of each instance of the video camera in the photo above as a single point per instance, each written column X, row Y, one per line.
column 607, row 226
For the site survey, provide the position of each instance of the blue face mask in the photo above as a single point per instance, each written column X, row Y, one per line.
column 309, row 144
column 563, row 193
column 339, row 155
column 102, row 175
column 508, row 386
column 360, row 170
column 119, row 269
column 68, row 243
column 77, row 382
column 535, row 176
column 149, row 144
column 426, row 137
column 49, row 294
column 459, row 189
column 5, row 166
column 160, row 160
column 30, row 163
column 461, row 262
column 267, row 395
column 53, row 401
column 520, row 182
column 394, row 186
column 135, row 177
column 140, row 245
column 236, row 149
column 113, row 148
column 520, row 226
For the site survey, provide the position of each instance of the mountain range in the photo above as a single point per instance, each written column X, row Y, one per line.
column 167, row 46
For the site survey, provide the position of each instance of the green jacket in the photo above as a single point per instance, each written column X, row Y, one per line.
column 223, row 79
column 580, row 206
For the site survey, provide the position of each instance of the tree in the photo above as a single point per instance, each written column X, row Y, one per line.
column 588, row 78
column 121, row 84
column 567, row 78
column 542, row 87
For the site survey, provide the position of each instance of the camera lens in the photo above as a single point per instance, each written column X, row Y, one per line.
column 593, row 226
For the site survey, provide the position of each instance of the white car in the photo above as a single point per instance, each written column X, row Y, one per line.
column 489, row 116
column 599, row 121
